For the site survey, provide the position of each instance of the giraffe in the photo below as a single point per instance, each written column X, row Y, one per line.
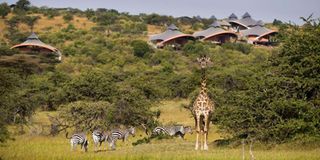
column 202, row 107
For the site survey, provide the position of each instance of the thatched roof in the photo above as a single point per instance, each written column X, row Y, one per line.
column 172, row 32
column 33, row 40
column 246, row 21
column 213, row 30
column 258, row 30
column 233, row 17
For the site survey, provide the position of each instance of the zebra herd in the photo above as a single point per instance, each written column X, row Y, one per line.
column 110, row 138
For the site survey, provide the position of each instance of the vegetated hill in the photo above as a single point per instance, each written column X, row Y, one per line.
column 107, row 64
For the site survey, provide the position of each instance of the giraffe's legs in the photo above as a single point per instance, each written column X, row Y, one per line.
column 206, row 124
column 198, row 130
column 201, row 139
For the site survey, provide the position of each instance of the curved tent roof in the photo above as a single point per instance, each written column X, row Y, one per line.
column 258, row 30
column 172, row 32
column 33, row 40
column 246, row 20
column 213, row 30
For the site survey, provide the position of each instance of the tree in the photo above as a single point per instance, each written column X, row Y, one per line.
column 31, row 21
column 22, row 6
column 4, row 10
column 280, row 100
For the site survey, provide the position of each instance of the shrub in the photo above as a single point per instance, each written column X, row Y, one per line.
column 241, row 47
column 140, row 48
column 68, row 17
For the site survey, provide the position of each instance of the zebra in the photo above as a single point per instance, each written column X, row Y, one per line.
column 78, row 138
column 99, row 137
column 176, row 130
column 118, row 134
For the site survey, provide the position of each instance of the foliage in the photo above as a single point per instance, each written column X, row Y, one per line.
column 86, row 115
column 140, row 48
column 195, row 48
column 67, row 17
column 31, row 21
column 4, row 10
column 244, row 48
column 281, row 98
column 21, row 6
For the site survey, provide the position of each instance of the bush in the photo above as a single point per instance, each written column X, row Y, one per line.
column 241, row 47
column 68, row 17
column 140, row 48
column 193, row 47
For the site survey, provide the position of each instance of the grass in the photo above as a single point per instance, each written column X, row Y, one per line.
column 30, row 146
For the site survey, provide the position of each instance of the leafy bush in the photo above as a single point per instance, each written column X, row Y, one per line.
column 196, row 48
column 68, row 17
column 140, row 48
column 241, row 47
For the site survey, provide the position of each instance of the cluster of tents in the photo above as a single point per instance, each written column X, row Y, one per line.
column 231, row 29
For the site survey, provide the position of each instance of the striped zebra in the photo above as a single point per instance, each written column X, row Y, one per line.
column 78, row 139
column 176, row 130
column 99, row 137
column 119, row 134
column 122, row 134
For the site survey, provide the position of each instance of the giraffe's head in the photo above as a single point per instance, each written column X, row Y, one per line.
column 204, row 61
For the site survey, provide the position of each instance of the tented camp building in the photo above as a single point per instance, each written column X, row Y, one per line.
column 241, row 24
column 33, row 44
column 258, row 34
column 172, row 36
column 216, row 34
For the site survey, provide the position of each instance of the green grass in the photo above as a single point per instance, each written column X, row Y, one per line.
column 31, row 147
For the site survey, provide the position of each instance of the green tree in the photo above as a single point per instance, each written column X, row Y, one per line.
column 279, row 99
column 22, row 6
column 4, row 10
column 31, row 21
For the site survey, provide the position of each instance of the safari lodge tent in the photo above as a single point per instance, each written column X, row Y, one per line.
column 172, row 37
column 241, row 24
column 33, row 44
column 258, row 34
column 216, row 34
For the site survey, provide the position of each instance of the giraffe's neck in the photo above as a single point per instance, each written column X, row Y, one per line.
column 203, row 81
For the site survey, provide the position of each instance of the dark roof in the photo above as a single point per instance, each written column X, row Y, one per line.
column 211, row 31
column 246, row 15
column 33, row 36
column 215, row 24
column 172, row 27
column 259, row 23
column 224, row 23
column 246, row 21
column 171, row 32
column 232, row 17
column 255, row 31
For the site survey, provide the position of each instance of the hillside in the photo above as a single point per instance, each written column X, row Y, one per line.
column 111, row 77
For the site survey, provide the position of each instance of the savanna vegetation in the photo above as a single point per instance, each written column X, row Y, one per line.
column 110, row 76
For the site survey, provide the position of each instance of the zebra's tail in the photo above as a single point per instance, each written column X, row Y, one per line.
column 67, row 136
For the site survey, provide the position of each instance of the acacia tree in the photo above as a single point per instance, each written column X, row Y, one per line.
column 22, row 5
column 4, row 10
column 31, row 21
